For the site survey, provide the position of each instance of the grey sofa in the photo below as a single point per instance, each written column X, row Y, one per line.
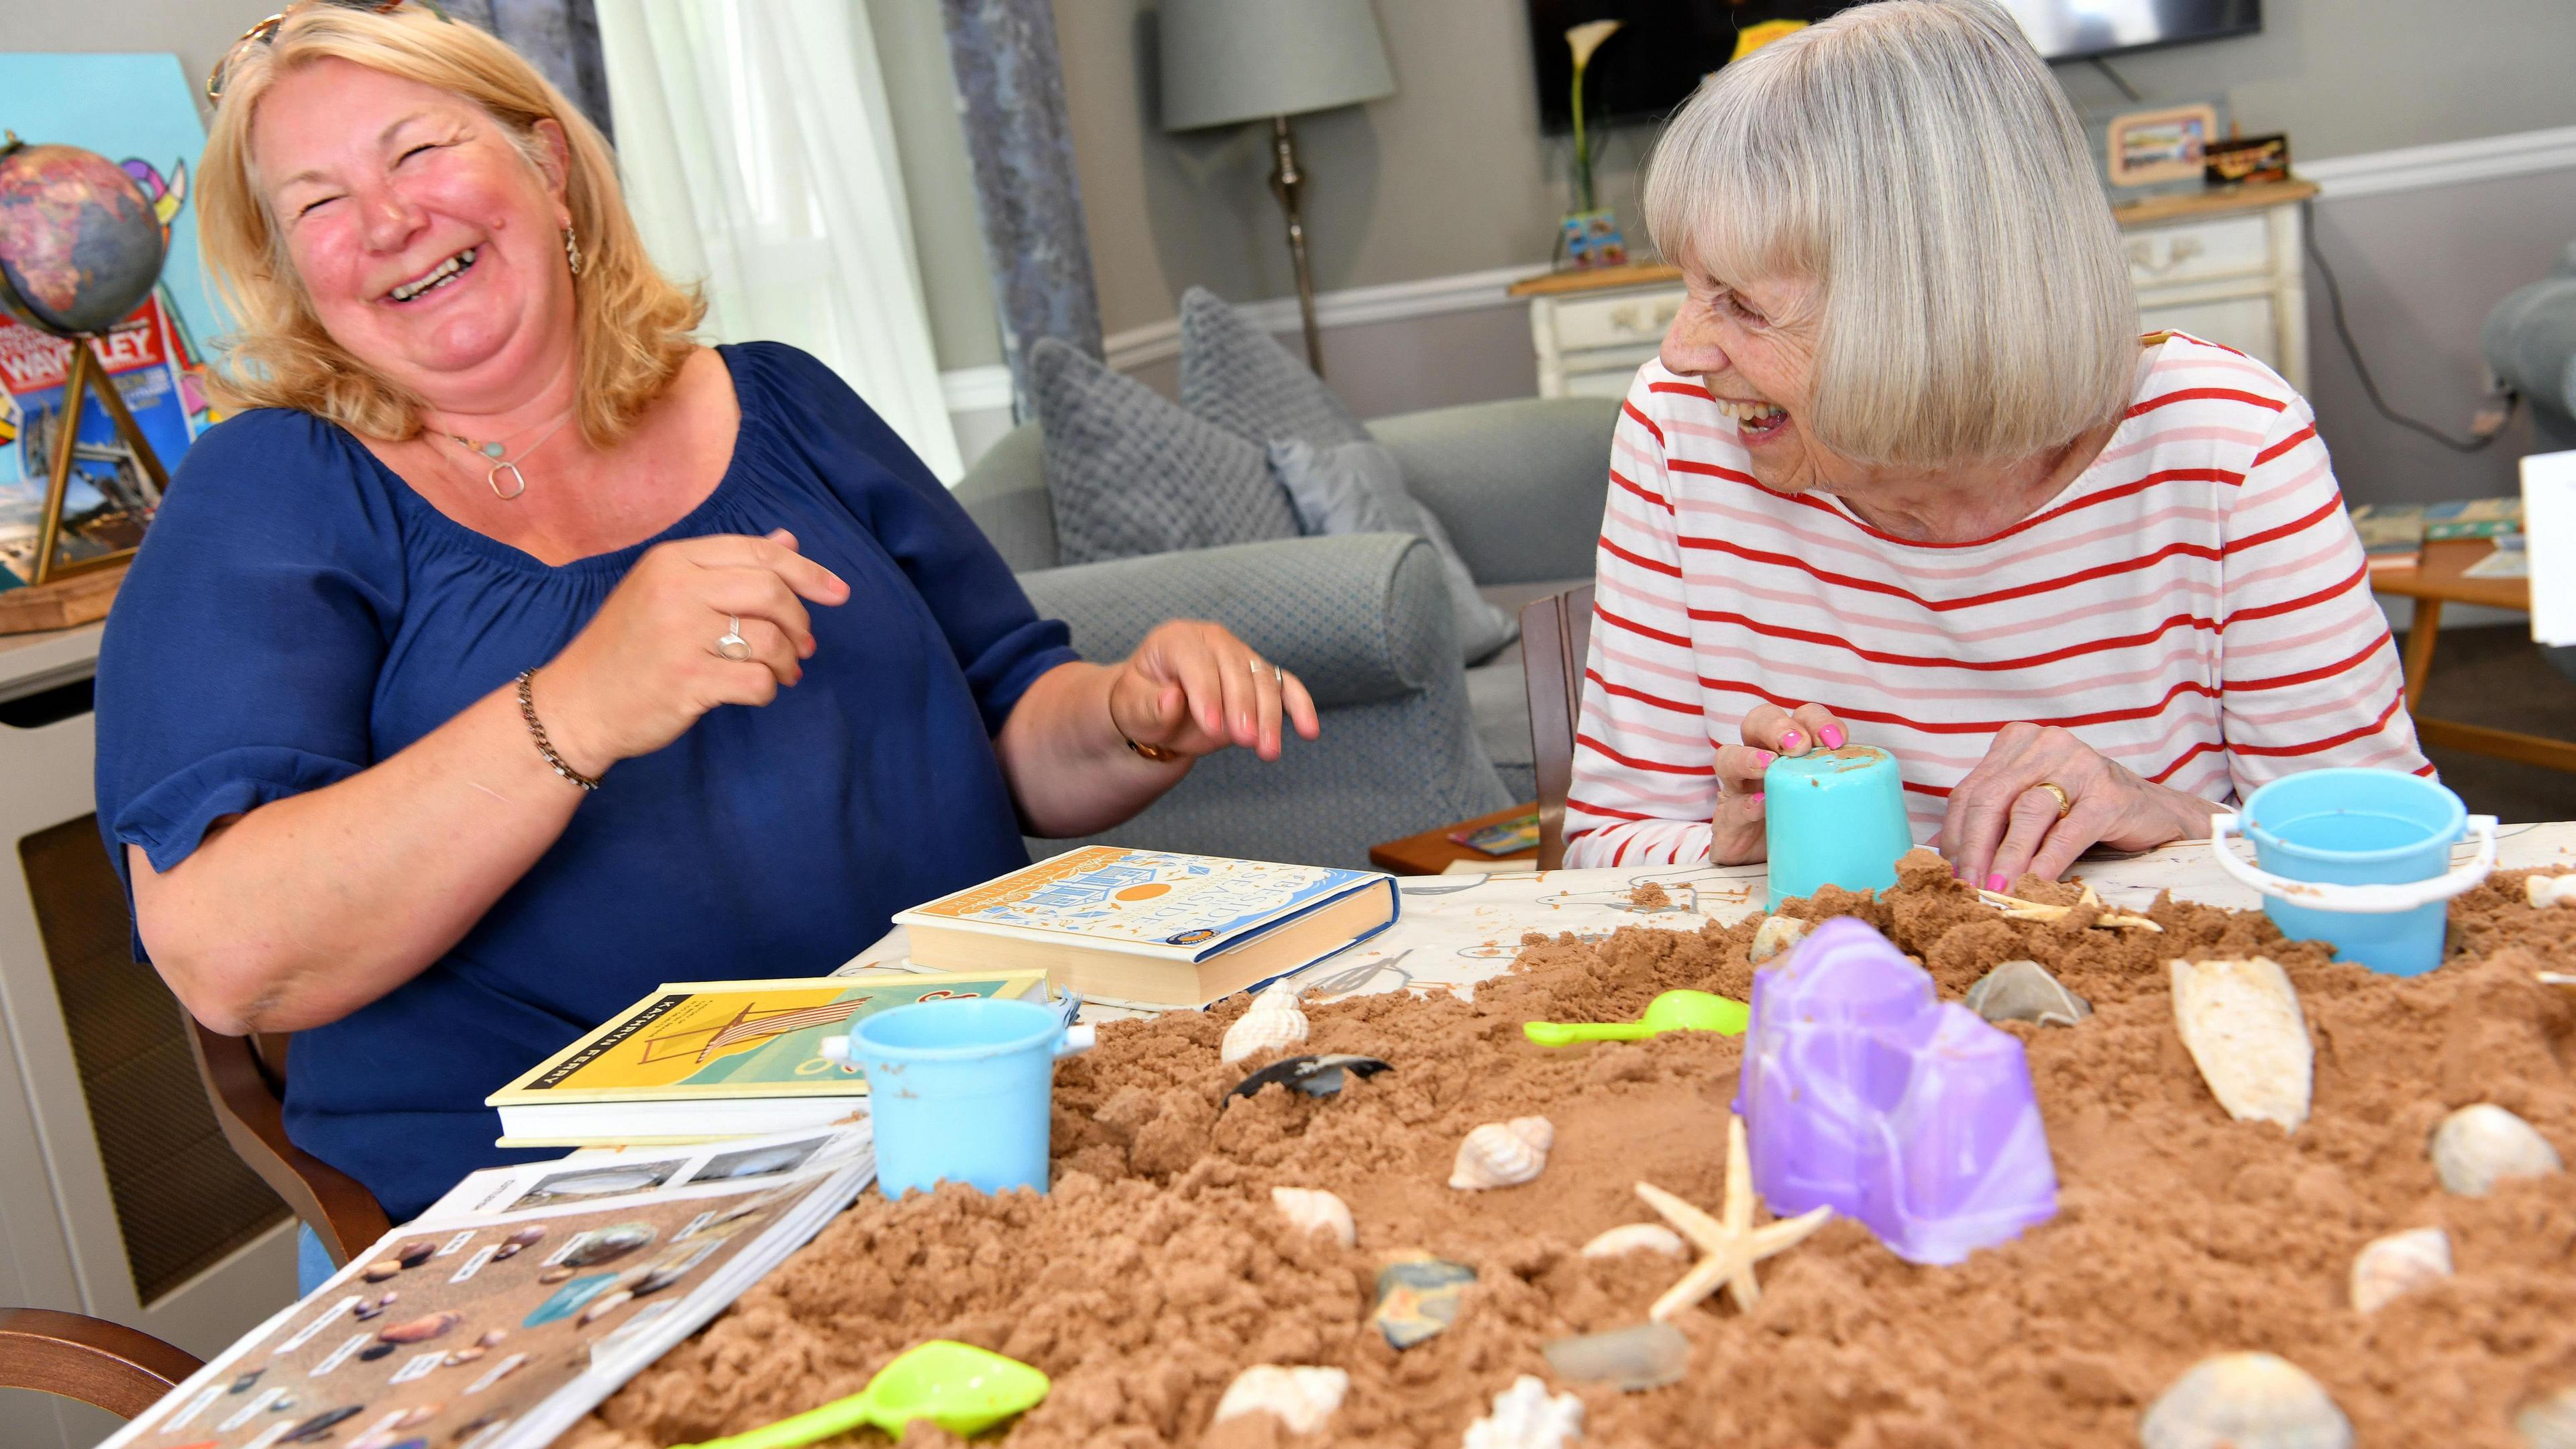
column 1411, row 739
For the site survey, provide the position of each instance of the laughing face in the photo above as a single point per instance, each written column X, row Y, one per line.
column 428, row 244
column 1752, row 344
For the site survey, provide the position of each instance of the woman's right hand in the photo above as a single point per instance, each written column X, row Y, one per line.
column 646, row 666
column 1737, row 831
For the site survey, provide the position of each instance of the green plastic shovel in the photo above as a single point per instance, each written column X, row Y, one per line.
column 1672, row 1011
column 963, row 1389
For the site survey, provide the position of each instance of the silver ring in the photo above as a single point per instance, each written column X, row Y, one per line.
column 731, row 644
column 1276, row 676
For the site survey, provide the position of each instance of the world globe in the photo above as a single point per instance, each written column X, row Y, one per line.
column 79, row 244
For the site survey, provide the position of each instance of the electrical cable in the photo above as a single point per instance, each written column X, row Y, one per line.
column 2352, row 349
column 2126, row 89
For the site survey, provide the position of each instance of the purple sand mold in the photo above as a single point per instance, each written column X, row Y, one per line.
column 1864, row 1092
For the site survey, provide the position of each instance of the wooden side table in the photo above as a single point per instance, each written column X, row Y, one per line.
column 1432, row 851
column 2438, row 580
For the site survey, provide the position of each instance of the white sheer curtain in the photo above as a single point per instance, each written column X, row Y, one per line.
column 759, row 157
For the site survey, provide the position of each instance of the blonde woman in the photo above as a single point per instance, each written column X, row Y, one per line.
column 512, row 653
column 1906, row 475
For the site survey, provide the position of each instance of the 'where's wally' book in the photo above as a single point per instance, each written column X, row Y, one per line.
column 1151, row 927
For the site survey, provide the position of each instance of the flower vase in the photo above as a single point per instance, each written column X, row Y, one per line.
column 1592, row 239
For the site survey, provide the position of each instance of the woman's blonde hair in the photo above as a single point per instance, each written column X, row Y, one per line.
column 632, row 324
column 1916, row 159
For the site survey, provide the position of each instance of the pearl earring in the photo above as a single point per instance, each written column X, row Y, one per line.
column 572, row 251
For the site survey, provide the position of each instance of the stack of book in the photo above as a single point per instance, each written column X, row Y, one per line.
column 2393, row 535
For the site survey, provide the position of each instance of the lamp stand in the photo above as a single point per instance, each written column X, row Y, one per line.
column 1286, row 183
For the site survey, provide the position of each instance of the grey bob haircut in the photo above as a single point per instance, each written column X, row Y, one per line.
column 1918, row 162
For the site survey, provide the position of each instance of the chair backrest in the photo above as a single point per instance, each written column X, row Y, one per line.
column 245, row 1080
column 120, row 1369
column 1556, row 636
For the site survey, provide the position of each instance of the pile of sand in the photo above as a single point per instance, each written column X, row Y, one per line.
column 1158, row 1268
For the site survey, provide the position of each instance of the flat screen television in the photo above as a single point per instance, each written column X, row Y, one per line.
column 1654, row 63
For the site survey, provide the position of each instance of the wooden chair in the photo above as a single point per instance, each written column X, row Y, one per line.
column 74, row 1356
column 1556, row 636
column 245, row 1079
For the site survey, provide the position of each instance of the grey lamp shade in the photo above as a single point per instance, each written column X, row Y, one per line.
column 1241, row 60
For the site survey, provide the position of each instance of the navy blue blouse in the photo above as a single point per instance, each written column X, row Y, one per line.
column 299, row 613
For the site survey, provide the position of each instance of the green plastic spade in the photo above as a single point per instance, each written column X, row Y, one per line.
column 1672, row 1011
column 963, row 1389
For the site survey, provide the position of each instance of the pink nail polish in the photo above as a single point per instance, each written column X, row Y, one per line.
column 1832, row 737
column 1755, row 797
column 1764, row 762
column 1996, row 881
column 1791, row 740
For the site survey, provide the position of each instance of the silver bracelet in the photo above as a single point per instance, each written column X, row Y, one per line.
column 545, row 747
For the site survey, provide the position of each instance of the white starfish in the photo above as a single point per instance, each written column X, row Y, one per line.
column 1730, row 1247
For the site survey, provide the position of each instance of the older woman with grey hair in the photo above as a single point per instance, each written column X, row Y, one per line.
column 1906, row 475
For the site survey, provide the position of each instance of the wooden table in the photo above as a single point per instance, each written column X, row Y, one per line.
column 2439, row 580
column 1432, row 851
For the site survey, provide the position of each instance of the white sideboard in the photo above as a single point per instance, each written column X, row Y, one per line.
column 2223, row 266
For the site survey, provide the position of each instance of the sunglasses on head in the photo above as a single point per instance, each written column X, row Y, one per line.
column 265, row 32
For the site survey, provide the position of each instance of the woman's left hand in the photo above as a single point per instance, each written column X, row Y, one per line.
column 2004, row 820
column 1195, row 688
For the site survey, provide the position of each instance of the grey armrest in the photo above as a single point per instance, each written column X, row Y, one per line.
column 1361, row 618
column 1519, row 485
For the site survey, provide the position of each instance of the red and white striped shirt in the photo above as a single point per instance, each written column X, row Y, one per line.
column 2194, row 606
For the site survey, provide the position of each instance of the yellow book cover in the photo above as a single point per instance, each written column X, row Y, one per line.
column 711, row 1040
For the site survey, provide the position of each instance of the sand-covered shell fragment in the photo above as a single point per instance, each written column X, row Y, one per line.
column 1775, row 935
column 2245, row 1401
column 1272, row 1023
column 2549, row 1422
column 1313, row 1210
column 2241, row 1022
column 1636, row 1238
column 1526, row 1417
column 2550, row 890
column 1301, row 1398
column 2399, row 1263
column 2479, row 1146
column 1503, row 1154
column 2024, row 991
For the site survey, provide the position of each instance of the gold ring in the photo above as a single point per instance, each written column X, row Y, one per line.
column 2063, row 803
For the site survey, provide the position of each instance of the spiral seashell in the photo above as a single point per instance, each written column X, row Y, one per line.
column 1634, row 1238
column 2479, row 1146
column 1301, row 1398
column 2549, row 890
column 1272, row 1023
column 1314, row 1210
column 1775, row 935
column 2399, row 1263
column 1503, row 1154
column 2245, row 1401
column 2549, row 1422
column 2241, row 1022
column 1525, row 1417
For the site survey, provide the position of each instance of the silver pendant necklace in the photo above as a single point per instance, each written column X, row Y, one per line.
column 493, row 450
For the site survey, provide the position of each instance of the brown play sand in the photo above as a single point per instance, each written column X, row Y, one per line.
column 1158, row 1268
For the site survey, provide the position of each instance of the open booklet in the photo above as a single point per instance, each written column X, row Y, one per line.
column 521, row 1299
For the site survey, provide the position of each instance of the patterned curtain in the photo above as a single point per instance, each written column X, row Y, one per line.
column 559, row 37
column 1021, row 142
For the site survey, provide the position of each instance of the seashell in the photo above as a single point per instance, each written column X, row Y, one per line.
column 463, row 1356
column 319, row 1427
column 606, row 1304
column 2478, row 1146
column 1301, row 1398
column 1313, row 1210
column 2399, row 1263
column 1418, row 1296
column 1636, row 1237
column 1272, row 1023
column 1525, row 1417
column 381, row 1269
column 490, row 1337
column 2240, row 1020
column 556, row 1274
column 421, row 1329
column 604, row 1245
column 1775, row 935
column 416, row 1252
column 1503, row 1154
column 2549, row 890
column 2024, row 991
column 2549, row 1422
column 1640, row 1357
column 2245, row 1401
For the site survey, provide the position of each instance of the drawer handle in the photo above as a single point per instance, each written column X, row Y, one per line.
column 2142, row 254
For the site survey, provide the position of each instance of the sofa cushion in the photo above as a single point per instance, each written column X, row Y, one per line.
column 1128, row 473
column 1238, row 377
column 1356, row 487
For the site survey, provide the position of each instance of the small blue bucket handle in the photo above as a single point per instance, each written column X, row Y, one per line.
column 2358, row 900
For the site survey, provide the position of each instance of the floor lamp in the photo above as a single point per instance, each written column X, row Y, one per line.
column 1230, row 61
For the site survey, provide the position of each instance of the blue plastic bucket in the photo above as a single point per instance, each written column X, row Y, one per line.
column 960, row 1090
column 1833, row 817
column 2359, row 859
